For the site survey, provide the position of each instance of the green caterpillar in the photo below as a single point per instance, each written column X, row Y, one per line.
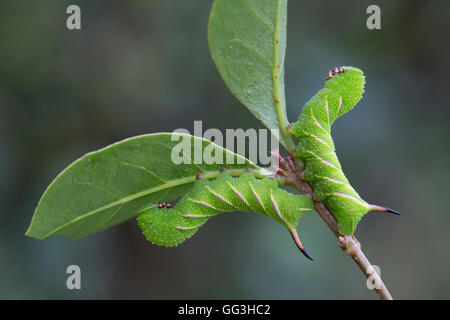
column 343, row 89
column 171, row 226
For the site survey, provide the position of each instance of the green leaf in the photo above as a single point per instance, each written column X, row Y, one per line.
column 247, row 39
column 109, row 186
column 170, row 227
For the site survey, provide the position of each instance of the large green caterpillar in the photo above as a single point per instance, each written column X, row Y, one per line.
column 171, row 226
column 343, row 89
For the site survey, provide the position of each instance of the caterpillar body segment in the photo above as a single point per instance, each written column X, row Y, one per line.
column 343, row 89
column 208, row 198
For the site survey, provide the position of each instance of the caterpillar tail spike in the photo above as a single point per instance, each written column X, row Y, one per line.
column 384, row 209
column 299, row 244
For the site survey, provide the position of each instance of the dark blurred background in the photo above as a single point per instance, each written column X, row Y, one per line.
column 137, row 67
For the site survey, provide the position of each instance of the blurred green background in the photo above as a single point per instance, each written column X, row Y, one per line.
column 143, row 66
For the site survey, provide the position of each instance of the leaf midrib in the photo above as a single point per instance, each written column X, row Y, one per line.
column 279, row 107
column 169, row 184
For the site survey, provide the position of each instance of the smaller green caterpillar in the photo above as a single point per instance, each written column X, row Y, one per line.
column 172, row 226
column 343, row 90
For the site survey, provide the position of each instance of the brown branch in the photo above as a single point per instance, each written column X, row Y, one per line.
column 349, row 244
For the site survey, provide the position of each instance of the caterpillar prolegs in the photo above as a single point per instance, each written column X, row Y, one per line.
column 171, row 226
column 343, row 89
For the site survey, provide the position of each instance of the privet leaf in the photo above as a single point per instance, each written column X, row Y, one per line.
column 171, row 226
column 108, row 186
column 247, row 39
column 316, row 147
